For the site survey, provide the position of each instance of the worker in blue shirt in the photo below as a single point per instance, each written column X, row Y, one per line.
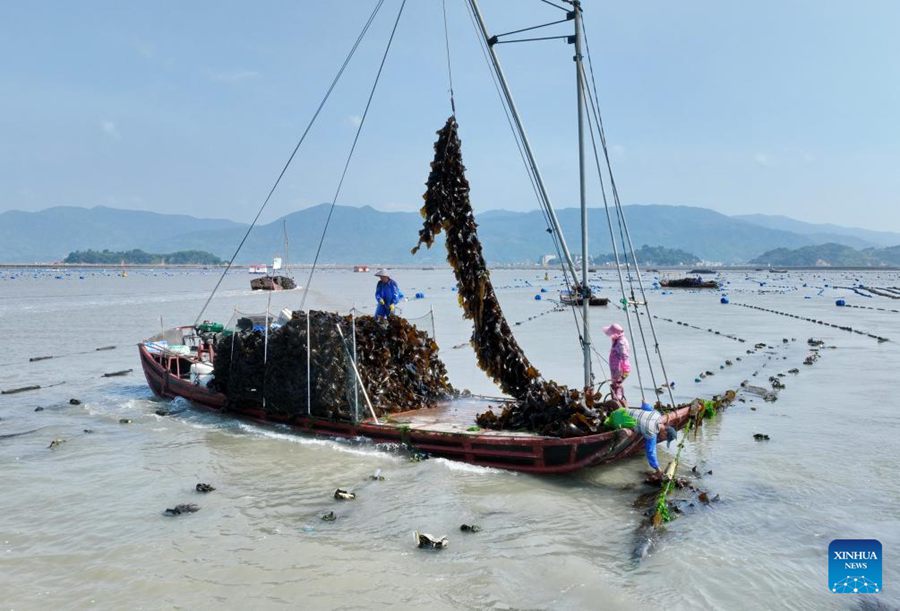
column 387, row 294
column 649, row 424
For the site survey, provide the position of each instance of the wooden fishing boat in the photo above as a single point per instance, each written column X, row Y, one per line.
column 177, row 363
column 689, row 283
column 570, row 299
column 447, row 430
column 273, row 283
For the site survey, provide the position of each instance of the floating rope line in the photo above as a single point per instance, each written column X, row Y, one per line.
column 815, row 321
column 708, row 330
column 859, row 307
column 36, row 359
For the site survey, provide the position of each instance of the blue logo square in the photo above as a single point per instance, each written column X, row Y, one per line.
column 854, row 566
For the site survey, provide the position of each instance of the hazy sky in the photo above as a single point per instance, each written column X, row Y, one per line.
column 776, row 106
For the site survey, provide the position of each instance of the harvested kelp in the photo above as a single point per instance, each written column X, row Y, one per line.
column 397, row 363
column 541, row 406
column 447, row 208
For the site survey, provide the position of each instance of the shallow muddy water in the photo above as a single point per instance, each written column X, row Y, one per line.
column 81, row 524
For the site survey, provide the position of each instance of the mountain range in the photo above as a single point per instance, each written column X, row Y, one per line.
column 366, row 235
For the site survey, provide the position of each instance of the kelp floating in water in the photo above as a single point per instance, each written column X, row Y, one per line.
column 397, row 362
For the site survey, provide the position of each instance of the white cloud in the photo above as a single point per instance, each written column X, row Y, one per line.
column 110, row 129
column 762, row 159
column 354, row 120
column 234, row 76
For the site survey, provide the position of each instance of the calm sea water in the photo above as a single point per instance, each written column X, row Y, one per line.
column 81, row 524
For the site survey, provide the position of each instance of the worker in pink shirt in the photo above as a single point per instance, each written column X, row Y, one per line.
column 619, row 360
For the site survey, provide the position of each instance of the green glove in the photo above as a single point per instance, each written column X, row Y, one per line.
column 620, row 419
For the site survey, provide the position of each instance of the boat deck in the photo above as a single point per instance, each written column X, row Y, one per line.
column 456, row 416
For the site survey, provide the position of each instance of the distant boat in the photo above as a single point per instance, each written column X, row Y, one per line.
column 259, row 268
column 689, row 283
column 361, row 268
column 273, row 282
column 701, row 270
column 572, row 299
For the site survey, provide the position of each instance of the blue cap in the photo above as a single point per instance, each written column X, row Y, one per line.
column 646, row 407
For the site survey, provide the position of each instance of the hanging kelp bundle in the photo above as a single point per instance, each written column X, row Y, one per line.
column 447, row 209
column 541, row 406
column 397, row 362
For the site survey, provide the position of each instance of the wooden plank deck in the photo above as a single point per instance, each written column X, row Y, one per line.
column 452, row 417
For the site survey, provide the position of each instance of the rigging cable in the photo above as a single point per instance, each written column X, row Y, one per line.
column 447, row 47
column 543, row 204
column 331, row 87
column 625, row 250
column 618, row 204
column 359, row 128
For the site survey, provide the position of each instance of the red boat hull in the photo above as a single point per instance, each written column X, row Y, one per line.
column 514, row 451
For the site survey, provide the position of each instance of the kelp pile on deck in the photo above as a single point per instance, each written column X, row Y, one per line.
column 398, row 364
column 541, row 406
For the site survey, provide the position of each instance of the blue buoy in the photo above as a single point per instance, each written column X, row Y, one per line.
column 543, row 290
column 537, row 297
column 420, row 295
column 724, row 299
column 840, row 303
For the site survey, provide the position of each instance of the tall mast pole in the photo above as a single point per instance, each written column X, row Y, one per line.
column 585, row 287
column 507, row 94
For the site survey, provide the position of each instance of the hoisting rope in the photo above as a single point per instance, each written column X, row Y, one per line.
column 447, row 47
column 331, row 87
column 359, row 128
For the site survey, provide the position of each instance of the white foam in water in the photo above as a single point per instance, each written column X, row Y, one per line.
column 454, row 465
column 336, row 444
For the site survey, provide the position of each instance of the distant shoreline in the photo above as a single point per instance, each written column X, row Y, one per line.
column 349, row 267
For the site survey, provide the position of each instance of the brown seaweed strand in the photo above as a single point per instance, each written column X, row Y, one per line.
column 447, row 208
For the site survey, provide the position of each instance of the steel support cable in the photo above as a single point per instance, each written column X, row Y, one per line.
column 480, row 26
column 331, row 87
column 625, row 249
column 528, row 168
column 447, row 47
column 517, row 137
column 533, row 27
column 340, row 185
column 615, row 191
column 612, row 237
column 618, row 265
column 562, row 8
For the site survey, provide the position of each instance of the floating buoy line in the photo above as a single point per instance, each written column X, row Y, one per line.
column 47, row 357
column 849, row 329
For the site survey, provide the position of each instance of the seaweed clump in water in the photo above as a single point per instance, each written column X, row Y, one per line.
column 398, row 364
column 541, row 406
